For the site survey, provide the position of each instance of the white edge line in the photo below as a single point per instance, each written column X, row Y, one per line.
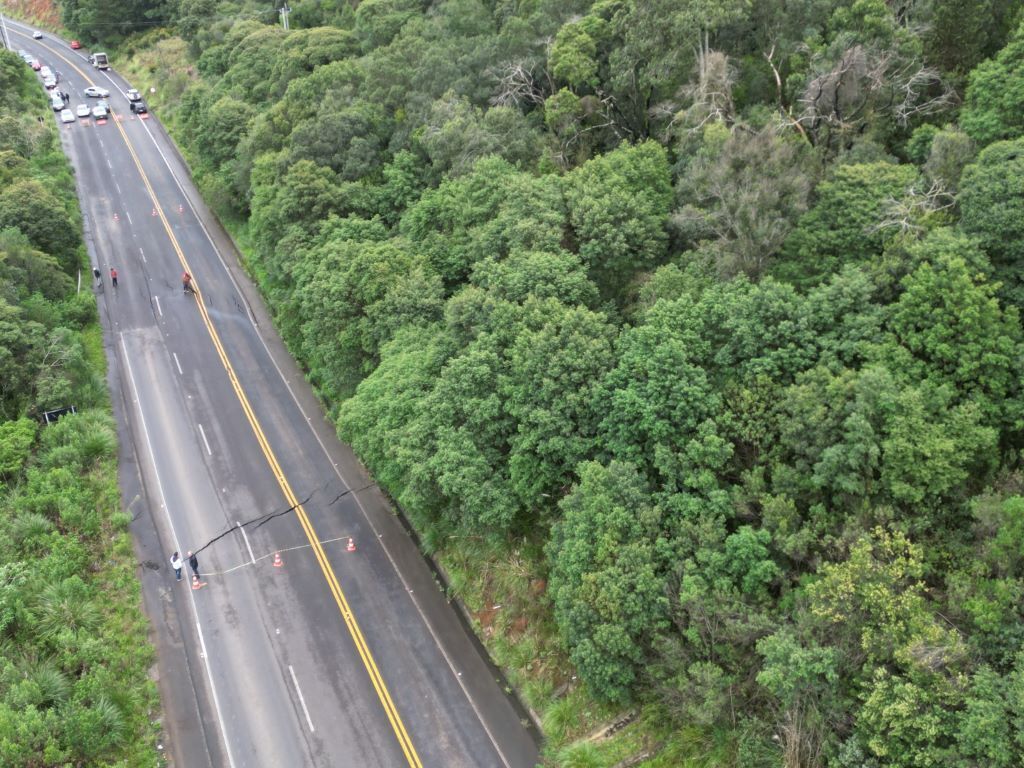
column 419, row 610
column 177, row 546
column 158, row 309
column 178, row 364
column 302, row 699
column 205, row 441
column 247, row 545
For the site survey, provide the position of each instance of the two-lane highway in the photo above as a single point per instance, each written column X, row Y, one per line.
column 335, row 657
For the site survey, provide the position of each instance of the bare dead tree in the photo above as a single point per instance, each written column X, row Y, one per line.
column 57, row 353
column 599, row 113
column 841, row 95
column 914, row 84
column 785, row 110
column 709, row 96
column 518, row 84
column 907, row 214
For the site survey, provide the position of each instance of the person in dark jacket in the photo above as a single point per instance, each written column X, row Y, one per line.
column 193, row 563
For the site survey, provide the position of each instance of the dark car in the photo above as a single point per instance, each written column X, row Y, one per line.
column 138, row 107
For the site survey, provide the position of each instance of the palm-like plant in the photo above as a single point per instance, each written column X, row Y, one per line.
column 54, row 685
column 66, row 607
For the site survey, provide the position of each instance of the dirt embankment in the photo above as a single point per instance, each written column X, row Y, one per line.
column 43, row 12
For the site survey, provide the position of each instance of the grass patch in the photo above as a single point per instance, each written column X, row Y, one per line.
column 92, row 342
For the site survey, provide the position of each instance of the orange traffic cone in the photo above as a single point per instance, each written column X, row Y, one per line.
column 196, row 583
column 351, row 545
column 278, row 562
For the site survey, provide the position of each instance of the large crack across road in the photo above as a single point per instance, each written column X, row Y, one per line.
column 256, row 522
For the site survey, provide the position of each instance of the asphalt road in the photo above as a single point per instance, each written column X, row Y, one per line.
column 336, row 658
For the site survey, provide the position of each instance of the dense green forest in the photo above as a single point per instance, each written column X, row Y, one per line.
column 697, row 322
column 74, row 655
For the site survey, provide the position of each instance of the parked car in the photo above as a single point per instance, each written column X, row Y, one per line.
column 133, row 95
column 99, row 112
column 138, row 107
column 96, row 92
column 75, row 45
column 67, row 116
column 56, row 101
column 36, row 65
column 37, row 35
column 49, row 82
column 82, row 110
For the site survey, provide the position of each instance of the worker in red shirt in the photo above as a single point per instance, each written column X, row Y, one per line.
column 113, row 277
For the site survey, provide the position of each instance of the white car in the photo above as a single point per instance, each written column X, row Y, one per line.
column 67, row 116
column 96, row 92
column 49, row 82
column 37, row 35
column 83, row 110
column 99, row 113
column 133, row 95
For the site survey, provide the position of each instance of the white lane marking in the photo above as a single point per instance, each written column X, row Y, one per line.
column 180, row 372
column 203, row 433
column 302, row 701
column 416, row 603
column 108, row 162
column 157, row 300
column 118, row 187
column 129, row 217
column 177, row 546
column 142, row 254
column 247, row 544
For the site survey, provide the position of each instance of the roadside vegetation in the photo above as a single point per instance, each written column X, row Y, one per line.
column 74, row 655
column 687, row 334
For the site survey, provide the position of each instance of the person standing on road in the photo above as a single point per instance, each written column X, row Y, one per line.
column 186, row 283
column 98, row 275
column 176, row 564
column 193, row 563
column 113, row 277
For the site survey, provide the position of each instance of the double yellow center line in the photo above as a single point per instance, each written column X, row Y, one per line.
column 332, row 580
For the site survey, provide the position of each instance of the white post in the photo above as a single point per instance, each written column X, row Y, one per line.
column 3, row 24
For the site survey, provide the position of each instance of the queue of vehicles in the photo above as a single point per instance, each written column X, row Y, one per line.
column 59, row 101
